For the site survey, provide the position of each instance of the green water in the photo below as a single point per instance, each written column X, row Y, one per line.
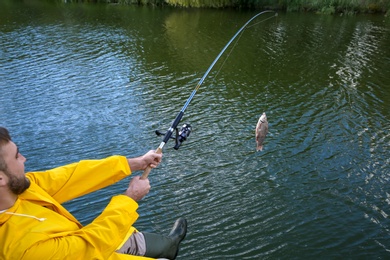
column 84, row 81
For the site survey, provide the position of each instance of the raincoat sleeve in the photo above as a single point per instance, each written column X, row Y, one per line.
column 98, row 240
column 74, row 180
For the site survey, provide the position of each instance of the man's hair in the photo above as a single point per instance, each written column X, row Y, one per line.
column 4, row 139
column 4, row 136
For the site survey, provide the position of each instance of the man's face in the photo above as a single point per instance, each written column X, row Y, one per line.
column 14, row 175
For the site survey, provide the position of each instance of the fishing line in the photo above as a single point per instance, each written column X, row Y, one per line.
column 249, row 26
column 238, row 39
column 185, row 131
column 228, row 55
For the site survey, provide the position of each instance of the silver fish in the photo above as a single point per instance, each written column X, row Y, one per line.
column 261, row 131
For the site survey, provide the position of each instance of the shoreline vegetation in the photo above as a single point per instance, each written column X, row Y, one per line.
column 347, row 7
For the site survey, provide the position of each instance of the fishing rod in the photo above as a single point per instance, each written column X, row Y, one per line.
column 185, row 131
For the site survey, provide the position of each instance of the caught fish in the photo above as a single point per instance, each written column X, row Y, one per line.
column 261, row 131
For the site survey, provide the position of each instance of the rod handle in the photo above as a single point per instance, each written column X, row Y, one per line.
column 146, row 172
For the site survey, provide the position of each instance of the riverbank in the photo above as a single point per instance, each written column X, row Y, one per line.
column 348, row 7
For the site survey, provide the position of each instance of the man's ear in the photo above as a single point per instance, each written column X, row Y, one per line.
column 3, row 179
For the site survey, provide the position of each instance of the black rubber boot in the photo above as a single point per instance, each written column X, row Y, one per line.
column 166, row 246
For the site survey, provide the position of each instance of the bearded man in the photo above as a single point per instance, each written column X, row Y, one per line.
column 34, row 224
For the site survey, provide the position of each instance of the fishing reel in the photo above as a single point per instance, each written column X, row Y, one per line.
column 180, row 136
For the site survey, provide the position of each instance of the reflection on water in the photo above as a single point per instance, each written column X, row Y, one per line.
column 88, row 81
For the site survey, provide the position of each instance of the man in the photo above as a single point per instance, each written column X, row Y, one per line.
column 34, row 225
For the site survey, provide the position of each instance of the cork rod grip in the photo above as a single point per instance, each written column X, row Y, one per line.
column 146, row 172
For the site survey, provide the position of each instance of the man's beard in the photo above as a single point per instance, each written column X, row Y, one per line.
column 17, row 185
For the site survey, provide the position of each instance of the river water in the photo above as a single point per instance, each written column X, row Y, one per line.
column 85, row 81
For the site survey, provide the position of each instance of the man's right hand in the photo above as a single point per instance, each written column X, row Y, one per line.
column 138, row 188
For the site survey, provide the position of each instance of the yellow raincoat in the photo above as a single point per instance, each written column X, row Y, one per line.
column 37, row 227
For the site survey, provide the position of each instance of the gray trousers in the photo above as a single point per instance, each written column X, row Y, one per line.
column 135, row 245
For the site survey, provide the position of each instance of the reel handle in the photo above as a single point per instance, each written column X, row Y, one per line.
column 146, row 172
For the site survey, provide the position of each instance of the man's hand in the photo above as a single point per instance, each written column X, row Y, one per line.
column 138, row 188
column 151, row 159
